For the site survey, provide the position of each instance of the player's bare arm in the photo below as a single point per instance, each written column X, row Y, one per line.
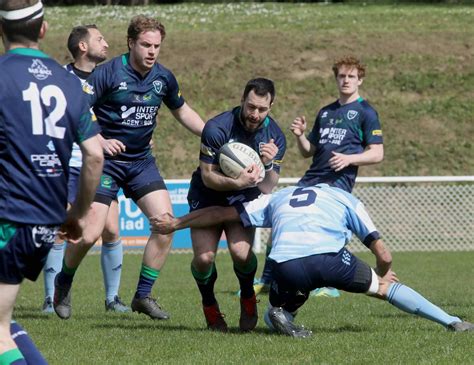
column 214, row 179
column 383, row 258
column 206, row 217
column 298, row 127
column 189, row 119
column 111, row 147
column 268, row 151
column 373, row 154
column 92, row 162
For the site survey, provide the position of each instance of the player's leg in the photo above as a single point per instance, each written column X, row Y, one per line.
column 54, row 262
column 286, row 298
column 154, row 257
column 26, row 346
column 203, row 269
column 410, row 301
column 73, row 256
column 52, row 267
column 240, row 241
column 9, row 351
column 111, row 260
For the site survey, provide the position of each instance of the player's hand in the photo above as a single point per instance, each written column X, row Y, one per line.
column 163, row 223
column 339, row 161
column 72, row 229
column 249, row 177
column 268, row 152
column 298, row 126
column 391, row 276
column 112, row 147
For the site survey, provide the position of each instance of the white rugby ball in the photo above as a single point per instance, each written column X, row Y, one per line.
column 235, row 156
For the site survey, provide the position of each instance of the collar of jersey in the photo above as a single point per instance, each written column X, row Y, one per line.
column 236, row 113
column 125, row 58
column 28, row 52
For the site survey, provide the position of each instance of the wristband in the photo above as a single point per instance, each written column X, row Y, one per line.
column 268, row 166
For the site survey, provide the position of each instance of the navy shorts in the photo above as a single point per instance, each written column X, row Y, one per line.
column 136, row 178
column 341, row 270
column 73, row 183
column 199, row 201
column 23, row 250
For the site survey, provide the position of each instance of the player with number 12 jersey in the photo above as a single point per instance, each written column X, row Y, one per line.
column 47, row 104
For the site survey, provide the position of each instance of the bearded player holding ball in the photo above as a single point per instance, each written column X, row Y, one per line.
column 250, row 124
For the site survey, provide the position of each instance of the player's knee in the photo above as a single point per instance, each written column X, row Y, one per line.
column 204, row 260
column 110, row 234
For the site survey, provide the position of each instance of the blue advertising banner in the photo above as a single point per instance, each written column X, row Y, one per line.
column 134, row 226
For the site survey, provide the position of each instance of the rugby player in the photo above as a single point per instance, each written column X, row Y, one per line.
column 42, row 112
column 310, row 228
column 251, row 124
column 126, row 93
column 88, row 48
column 346, row 134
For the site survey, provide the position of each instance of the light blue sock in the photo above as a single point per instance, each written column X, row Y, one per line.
column 53, row 266
column 410, row 301
column 111, row 259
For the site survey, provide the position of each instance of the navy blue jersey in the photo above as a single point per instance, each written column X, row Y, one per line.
column 227, row 127
column 126, row 104
column 345, row 129
column 42, row 112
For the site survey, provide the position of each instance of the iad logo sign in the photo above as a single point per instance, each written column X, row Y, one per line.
column 158, row 85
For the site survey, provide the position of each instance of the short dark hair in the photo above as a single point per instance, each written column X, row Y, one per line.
column 261, row 87
column 78, row 34
column 21, row 27
column 142, row 23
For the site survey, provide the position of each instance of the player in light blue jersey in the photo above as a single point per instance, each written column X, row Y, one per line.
column 126, row 94
column 310, row 228
column 88, row 48
column 42, row 112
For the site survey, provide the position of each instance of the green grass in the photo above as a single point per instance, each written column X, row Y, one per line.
column 420, row 71
column 352, row 329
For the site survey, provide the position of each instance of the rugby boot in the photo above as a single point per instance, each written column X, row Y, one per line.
column 460, row 327
column 214, row 318
column 48, row 305
column 248, row 313
column 150, row 307
column 62, row 299
column 280, row 319
column 116, row 305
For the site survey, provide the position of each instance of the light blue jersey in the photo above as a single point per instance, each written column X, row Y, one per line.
column 311, row 220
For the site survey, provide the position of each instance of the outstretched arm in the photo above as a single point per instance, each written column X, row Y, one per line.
column 210, row 216
column 189, row 119
column 383, row 259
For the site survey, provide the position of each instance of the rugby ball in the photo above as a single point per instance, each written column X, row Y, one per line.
column 235, row 156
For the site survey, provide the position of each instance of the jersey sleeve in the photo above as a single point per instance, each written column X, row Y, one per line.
column 212, row 139
column 280, row 141
column 87, row 126
column 313, row 136
column 256, row 213
column 371, row 129
column 173, row 99
column 360, row 223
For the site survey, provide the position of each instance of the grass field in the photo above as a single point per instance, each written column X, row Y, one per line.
column 353, row 329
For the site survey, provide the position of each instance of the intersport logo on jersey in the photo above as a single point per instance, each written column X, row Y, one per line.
column 138, row 116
